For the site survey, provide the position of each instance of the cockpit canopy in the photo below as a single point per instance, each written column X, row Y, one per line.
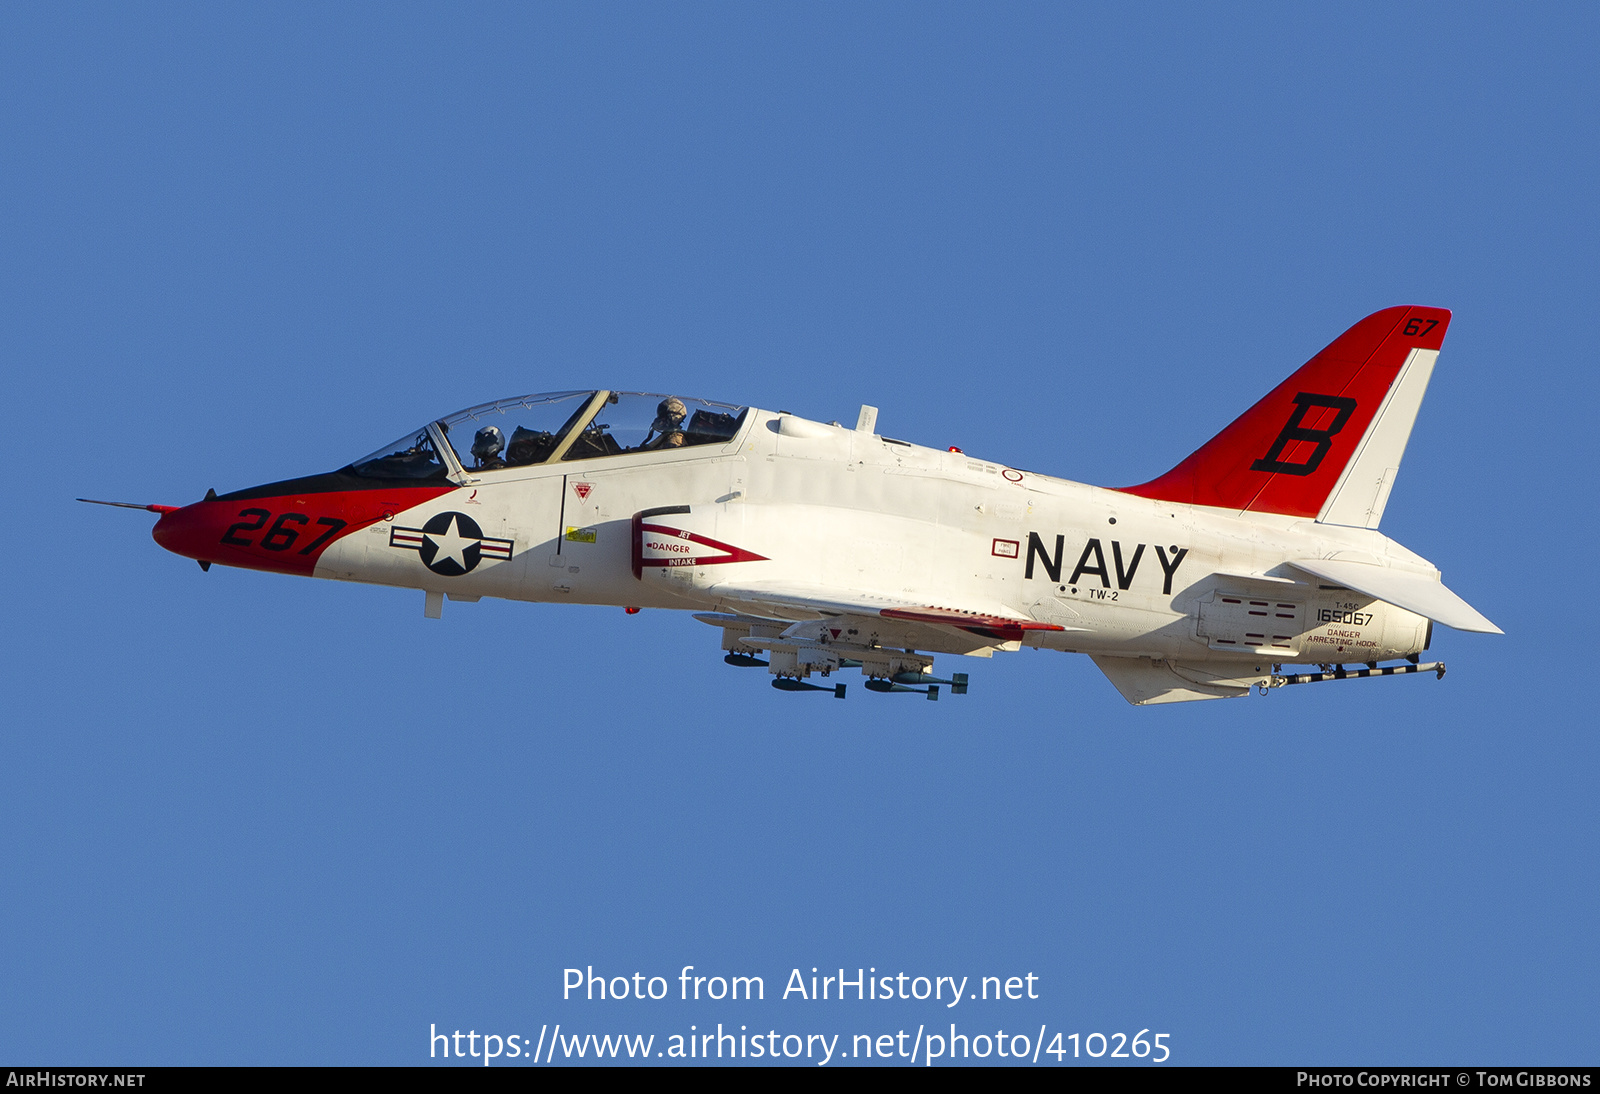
column 552, row 427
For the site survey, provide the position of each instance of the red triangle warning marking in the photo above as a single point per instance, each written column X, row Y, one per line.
column 582, row 489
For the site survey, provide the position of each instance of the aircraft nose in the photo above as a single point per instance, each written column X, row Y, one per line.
column 190, row 531
column 284, row 527
column 273, row 533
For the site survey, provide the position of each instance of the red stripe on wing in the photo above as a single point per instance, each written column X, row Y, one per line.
column 999, row 627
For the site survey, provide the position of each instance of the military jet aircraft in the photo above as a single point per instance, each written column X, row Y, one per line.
column 815, row 548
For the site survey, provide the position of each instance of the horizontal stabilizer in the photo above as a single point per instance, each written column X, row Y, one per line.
column 1420, row 593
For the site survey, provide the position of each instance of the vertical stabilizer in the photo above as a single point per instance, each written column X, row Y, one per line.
column 1327, row 442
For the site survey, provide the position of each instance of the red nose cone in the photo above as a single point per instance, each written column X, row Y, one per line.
column 164, row 531
column 197, row 531
column 281, row 534
column 285, row 532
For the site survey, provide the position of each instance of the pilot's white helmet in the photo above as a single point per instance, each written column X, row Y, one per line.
column 487, row 443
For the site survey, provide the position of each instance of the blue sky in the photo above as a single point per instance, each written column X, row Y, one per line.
column 258, row 819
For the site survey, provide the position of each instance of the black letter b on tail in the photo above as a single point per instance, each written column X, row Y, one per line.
column 1294, row 431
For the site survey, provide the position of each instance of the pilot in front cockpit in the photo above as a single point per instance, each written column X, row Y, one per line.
column 487, row 445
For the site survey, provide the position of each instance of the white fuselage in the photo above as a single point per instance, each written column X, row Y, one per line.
column 855, row 517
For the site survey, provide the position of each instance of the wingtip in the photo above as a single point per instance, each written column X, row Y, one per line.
column 1480, row 625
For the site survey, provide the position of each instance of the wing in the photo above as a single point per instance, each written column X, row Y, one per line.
column 789, row 601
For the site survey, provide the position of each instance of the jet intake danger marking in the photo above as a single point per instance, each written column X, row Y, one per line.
column 1093, row 561
column 1294, row 430
column 659, row 545
column 451, row 544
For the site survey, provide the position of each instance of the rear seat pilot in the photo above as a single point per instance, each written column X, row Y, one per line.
column 668, row 426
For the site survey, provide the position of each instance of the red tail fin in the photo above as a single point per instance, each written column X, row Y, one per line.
column 1287, row 453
